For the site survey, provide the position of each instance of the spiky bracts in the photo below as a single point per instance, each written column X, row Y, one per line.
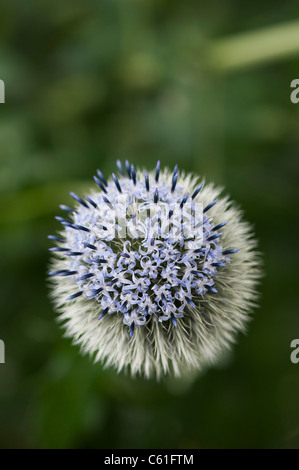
column 154, row 273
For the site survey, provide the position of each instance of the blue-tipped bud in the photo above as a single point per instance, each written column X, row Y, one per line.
column 157, row 171
column 100, row 185
column 209, row 206
column 101, row 177
column 78, row 199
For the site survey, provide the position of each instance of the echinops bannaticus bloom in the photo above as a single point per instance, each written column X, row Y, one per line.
column 154, row 273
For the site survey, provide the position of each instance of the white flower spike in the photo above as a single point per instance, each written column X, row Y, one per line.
column 154, row 274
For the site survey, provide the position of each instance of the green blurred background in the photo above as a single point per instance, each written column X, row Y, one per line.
column 202, row 84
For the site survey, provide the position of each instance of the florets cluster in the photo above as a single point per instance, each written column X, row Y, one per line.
column 148, row 275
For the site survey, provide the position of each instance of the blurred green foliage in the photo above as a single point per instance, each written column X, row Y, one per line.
column 91, row 81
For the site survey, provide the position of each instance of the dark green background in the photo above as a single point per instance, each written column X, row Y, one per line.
column 91, row 81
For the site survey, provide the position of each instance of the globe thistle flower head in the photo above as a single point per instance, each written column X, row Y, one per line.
column 154, row 272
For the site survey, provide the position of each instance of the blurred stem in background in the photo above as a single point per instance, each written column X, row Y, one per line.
column 254, row 48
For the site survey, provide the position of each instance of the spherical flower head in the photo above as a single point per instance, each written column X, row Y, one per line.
column 154, row 273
